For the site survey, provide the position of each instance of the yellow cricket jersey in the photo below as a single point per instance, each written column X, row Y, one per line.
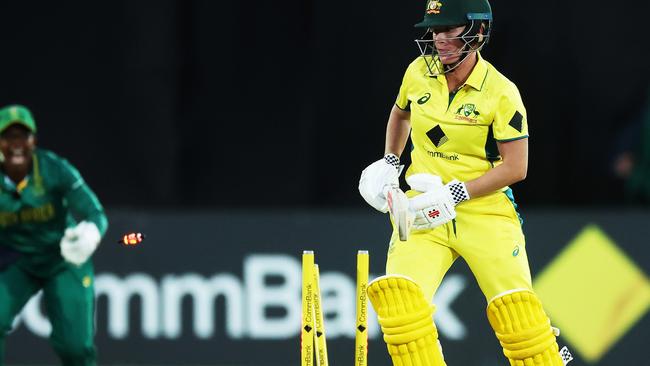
column 454, row 136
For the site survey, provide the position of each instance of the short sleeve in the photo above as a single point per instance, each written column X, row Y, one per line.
column 510, row 121
column 402, row 101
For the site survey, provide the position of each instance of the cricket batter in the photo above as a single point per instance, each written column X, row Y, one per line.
column 50, row 224
column 469, row 131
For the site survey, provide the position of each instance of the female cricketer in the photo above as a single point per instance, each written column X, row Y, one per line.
column 469, row 129
column 50, row 224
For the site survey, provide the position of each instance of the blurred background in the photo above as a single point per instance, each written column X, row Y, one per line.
column 233, row 134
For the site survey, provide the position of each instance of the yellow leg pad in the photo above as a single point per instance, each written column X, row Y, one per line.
column 406, row 318
column 524, row 330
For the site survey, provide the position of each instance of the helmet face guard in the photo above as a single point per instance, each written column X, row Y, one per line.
column 474, row 37
column 475, row 15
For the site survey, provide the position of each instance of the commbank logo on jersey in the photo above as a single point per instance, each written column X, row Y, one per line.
column 517, row 121
column 437, row 136
column 433, row 7
column 467, row 112
column 425, row 98
column 440, row 154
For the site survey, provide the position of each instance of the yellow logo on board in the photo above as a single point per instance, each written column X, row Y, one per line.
column 593, row 292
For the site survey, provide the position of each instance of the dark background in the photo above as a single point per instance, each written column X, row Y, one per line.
column 236, row 103
column 177, row 111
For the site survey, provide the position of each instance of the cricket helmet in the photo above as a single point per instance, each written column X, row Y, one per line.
column 475, row 15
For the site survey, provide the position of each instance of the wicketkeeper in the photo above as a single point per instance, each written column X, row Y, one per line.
column 469, row 132
column 50, row 224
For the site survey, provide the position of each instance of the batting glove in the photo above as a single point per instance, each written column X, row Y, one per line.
column 436, row 205
column 377, row 179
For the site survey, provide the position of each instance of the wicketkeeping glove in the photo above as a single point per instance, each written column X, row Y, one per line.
column 79, row 242
column 377, row 179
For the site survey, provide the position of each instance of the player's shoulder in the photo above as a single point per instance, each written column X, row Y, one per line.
column 50, row 158
column 417, row 67
column 417, row 62
column 47, row 156
column 499, row 83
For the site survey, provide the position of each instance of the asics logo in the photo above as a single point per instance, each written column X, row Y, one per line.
column 515, row 252
column 424, row 98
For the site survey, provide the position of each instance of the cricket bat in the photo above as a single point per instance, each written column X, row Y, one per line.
column 398, row 206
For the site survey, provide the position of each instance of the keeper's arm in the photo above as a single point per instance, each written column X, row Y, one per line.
column 512, row 170
column 81, row 200
column 397, row 131
column 84, row 203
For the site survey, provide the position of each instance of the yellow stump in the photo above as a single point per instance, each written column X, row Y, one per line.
column 307, row 330
column 361, row 339
column 321, row 343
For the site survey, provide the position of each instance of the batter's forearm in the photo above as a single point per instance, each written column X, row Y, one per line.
column 397, row 131
column 495, row 179
column 512, row 170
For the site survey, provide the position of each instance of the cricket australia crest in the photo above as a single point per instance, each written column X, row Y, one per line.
column 467, row 112
column 433, row 7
